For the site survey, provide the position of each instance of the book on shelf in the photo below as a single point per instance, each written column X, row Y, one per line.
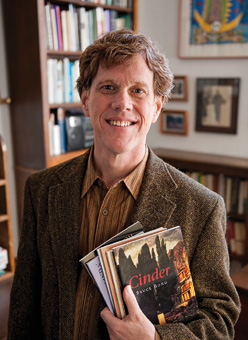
column 236, row 237
column 3, row 259
column 155, row 265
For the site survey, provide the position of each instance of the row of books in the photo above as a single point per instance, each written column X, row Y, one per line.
column 236, row 237
column 234, row 190
column 155, row 266
column 74, row 28
column 3, row 260
column 119, row 3
column 68, row 131
column 61, row 80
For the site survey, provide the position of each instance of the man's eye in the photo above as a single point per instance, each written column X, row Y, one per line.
column 139, row 91
column 108, row 87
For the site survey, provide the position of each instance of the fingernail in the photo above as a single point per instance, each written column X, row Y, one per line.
column 129, row 289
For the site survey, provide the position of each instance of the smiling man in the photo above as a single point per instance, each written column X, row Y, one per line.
column 75, row 206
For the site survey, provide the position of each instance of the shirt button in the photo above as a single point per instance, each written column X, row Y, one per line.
column 105, row 212
column 92, row 294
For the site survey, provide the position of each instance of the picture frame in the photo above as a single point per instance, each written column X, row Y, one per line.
column 180, row 90
column 174, row 122
column 207, row 34
column 217, row 104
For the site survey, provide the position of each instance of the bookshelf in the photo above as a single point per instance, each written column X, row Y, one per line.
column 6, row 239
column 27, row 56
column 220, row 169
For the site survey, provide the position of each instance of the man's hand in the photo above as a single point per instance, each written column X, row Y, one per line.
column 135, row 326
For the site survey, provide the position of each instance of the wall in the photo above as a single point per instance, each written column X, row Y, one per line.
column 5, row 131
column 159, row 19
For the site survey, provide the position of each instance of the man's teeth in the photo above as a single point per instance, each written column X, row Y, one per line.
column 119, row 123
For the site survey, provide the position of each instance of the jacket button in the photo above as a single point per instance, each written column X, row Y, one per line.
column 92, row 294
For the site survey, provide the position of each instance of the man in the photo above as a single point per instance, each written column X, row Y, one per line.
column 73, row 207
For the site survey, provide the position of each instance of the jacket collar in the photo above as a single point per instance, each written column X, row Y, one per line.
column 156, row 202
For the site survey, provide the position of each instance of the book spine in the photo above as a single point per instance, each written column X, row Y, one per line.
column 50, row 81
column 64, row 30
column 106, row 279
column 117, row 284
column 66, row 80
column 59, row 28
column 72, row 27
column 56, row 140
column 54, row 28
column 61, row 123
column 50, row 131
column 49, row 34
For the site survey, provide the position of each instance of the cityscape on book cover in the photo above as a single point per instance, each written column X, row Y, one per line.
column 157, row 269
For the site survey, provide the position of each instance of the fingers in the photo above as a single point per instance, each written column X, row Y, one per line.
column 131, row 302
column 108, row 317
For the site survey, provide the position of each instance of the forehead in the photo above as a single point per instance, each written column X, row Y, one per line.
column 133, row 69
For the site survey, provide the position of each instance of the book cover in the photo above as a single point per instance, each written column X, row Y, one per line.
column 157, row 269
column 114, row 291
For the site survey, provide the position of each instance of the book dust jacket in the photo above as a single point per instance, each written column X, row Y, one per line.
column 157, row 269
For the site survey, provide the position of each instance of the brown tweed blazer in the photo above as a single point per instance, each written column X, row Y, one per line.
column 45, row 283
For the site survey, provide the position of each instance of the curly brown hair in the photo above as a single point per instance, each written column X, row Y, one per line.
column 116, row 47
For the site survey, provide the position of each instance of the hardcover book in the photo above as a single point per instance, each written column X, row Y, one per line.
column 156, row 267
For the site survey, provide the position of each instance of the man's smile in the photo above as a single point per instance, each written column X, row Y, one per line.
column 120, row 123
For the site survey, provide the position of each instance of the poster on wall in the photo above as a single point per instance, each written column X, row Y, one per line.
column 213, row 29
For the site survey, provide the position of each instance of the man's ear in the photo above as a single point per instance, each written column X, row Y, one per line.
column 159, row 101
column 84, row 102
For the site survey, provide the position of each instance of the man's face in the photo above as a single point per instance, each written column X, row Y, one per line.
column 122, row 106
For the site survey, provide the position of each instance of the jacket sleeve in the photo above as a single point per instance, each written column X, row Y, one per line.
column 217, row 297
column 24, row 315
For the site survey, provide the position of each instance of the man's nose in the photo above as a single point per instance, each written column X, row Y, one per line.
column 122, row 101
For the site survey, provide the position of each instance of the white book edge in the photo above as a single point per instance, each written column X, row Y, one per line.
column 95, row 269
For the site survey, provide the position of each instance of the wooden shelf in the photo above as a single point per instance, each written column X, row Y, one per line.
column 64, row 157
column 3, row 218
column 215, row 164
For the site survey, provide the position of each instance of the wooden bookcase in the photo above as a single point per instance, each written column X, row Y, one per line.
column 27, row 54
column 6, row 240
column 227, row 167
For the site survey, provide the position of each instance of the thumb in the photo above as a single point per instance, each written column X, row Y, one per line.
column 130, row 300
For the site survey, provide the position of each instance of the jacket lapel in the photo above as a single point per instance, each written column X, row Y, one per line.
column 156, row 201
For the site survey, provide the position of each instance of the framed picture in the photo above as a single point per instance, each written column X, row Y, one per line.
column 213, row 29
column 217, row 104
column 174, row 122
column 180, row 90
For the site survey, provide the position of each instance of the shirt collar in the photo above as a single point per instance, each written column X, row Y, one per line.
column 132, row 181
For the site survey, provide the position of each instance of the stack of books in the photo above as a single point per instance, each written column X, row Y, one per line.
column 154, row 264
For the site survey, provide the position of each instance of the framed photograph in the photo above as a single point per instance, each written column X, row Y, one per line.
column 213, row 29
column 180, row 90
column 174, row 122
column 217, row 104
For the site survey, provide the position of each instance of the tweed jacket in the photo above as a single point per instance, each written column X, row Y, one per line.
column 47, row 270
